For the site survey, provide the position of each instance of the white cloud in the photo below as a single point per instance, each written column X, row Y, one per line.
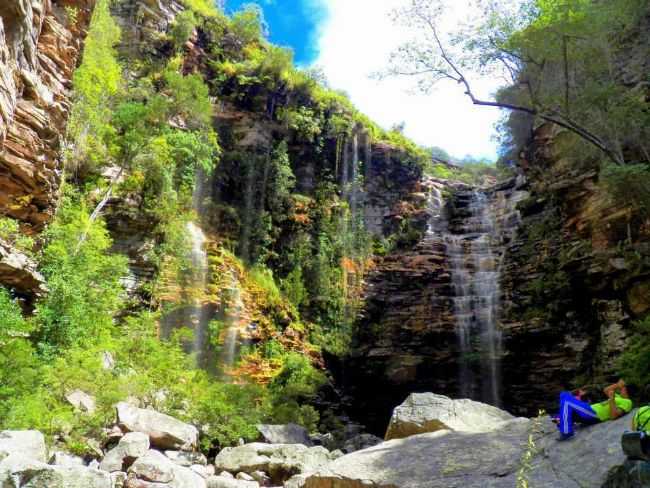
column 356, row 39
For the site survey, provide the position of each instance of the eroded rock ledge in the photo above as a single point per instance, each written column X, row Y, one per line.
column 18, row 272
column 39, row 48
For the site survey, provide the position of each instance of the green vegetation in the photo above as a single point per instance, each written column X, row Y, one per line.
column 628, row 186
column 473, row 173
column 562, row 60
column 634, row 364
column 10, row 233
column 97, row 82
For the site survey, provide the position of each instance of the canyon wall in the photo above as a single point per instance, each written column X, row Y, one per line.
column 40, row 43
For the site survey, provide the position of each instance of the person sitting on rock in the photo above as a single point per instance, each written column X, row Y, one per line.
column 618, row 403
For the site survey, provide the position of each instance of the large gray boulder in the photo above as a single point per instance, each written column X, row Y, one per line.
column 280, row 461
column 285, row 434
column 17, row 471
column 164, row 432
column 131, row 446
column 187, row 459
column 157, row 468
column 29, row 444
column 225, row 482
column 60, row 458
column 428, row 412
column 153, row 466
column 452, row 459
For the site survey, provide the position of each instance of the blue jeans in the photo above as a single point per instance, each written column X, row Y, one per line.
column 570, row 406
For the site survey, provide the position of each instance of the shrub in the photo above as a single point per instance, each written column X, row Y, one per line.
column 83, row 279
column 629, row 185
column 634, row 363
column 10, row 232
column 188, row 97
column 297, row 382
column 182, row 29
column 97, row 82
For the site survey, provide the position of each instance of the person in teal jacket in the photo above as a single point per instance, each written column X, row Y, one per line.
column 618, row 403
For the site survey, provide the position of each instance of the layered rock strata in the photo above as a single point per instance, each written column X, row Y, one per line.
column 574, row 280
column 408, row 336
column 40, row 43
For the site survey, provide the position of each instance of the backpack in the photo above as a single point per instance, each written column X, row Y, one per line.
column 641, row 420
column 636, row 445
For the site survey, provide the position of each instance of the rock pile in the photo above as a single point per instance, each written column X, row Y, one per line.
column 454, row 443
column 153, row 450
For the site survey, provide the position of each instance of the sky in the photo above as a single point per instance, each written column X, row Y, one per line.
column 351, row 39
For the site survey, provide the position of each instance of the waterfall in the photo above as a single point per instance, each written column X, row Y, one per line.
column 234, row 319
column 474, row 237
column 247, row 219
column 196, row 313
column 354, row 190
column 475, row 279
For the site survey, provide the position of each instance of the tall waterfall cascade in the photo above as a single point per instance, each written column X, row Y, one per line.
column 197, row 314
column 474, row 227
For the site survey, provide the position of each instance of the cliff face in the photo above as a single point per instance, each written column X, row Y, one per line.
column 574, row 279
column 425, row 325
column 40, row 42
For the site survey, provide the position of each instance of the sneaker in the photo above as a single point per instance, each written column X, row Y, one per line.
column 565, row 437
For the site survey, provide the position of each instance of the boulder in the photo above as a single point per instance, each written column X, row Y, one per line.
column 82, row 401
column 297, row 481
column 326, row 440
column 60, row 458
column 186, row 478
column 153, row 466
column 361, row 441
column 118, row 479
column 452, row 459
column 284, row 434
column 187, row 459
column 225, row 482
column 202, row 470
column 131, row 446
column 261, row 477
column 19, row 272
column 428, row 412
column 164, row 432
column 157, row 468
column 35, row 474
column 280, row 461
column 28, row 444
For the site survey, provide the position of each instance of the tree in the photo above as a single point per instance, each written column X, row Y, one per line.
column 556, row 54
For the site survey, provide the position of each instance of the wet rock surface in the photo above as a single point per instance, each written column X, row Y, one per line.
column 407, row 338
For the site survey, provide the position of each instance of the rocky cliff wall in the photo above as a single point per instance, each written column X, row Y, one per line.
column 407, row 336
column 575, row 278
column 40, row 43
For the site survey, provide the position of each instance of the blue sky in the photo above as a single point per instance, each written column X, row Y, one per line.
column 351, row 39
column 292, row 23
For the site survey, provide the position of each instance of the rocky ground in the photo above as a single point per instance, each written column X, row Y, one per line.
column 436, row 442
